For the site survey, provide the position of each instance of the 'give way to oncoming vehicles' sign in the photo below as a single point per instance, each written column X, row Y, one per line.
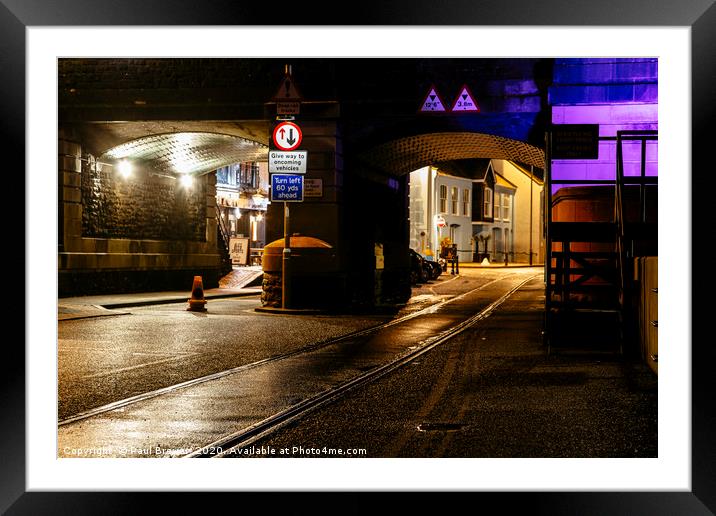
column 293, row 162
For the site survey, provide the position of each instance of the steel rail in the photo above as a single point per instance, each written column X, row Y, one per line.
column 305, row 349
column 227, row 445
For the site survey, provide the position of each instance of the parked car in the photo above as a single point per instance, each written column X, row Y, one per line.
column 420, row 272
column 435, row 269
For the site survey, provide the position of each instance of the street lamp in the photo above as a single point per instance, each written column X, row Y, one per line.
column 124, row 167
column 186, row 180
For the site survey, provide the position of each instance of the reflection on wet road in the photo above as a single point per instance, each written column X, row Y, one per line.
column 185, row 419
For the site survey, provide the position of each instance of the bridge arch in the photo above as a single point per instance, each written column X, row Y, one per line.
column 192, row 153
column 403, row 155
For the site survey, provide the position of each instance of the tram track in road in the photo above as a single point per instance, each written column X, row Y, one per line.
column 227, row 410
column 231, row 444
column 125, row 402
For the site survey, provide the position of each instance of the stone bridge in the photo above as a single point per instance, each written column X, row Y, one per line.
column 362, row 129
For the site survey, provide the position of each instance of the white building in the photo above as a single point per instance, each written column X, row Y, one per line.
column 437, row 196
column 482, row 205
column 527, row 211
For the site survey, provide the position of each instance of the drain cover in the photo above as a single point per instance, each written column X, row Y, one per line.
column 440, row 427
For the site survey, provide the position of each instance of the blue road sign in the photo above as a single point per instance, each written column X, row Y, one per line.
column 286, row 187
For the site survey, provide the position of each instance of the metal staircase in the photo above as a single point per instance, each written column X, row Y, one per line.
column 222, row 244
column 589, row 303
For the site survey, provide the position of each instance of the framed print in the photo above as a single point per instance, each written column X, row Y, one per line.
column 34, row 38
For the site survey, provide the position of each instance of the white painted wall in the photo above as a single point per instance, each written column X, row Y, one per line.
column 463, row 233
column 522, row 213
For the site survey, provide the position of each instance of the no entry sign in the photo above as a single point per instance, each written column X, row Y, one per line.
column 287, row 136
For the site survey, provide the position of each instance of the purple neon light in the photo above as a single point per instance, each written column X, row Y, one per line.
column 611, row 118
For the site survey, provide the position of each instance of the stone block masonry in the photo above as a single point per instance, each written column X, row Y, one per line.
column 141, row 233
column 143, row 206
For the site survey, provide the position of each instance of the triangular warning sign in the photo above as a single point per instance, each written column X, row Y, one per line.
column 287, row 90
column 432, row 102
column 465, row 101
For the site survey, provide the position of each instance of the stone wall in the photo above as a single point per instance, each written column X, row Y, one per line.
column 148, row 239
column 142, row 206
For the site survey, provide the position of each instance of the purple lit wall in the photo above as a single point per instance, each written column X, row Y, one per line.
column 616, row 93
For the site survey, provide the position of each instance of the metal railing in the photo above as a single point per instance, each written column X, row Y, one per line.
column 223, row 242
column 624, row 245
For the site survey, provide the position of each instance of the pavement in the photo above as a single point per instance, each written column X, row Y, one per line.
column 231, row 285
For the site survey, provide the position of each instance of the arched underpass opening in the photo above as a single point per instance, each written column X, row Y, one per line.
column 435, row 189
column 241, row 181
column 148, row 215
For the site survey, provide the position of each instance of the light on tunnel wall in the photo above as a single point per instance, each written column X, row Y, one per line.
column 124, row 167
column 186, row 180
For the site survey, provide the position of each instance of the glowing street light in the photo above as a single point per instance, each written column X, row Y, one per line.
column 186, row 180
column 124, row 167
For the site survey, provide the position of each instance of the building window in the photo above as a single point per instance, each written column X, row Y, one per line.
column 249, row 175
column 454, row 200
column 487, row 203
column 466, row 202
column 498, row 205
column 443, row 199
column 506, row 205
column 222, row 176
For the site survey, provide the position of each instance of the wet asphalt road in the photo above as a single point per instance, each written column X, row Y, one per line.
column 489, row 392
column 102, row 360
column 189, row 418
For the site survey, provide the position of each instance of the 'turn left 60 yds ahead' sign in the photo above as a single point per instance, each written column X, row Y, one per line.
column 286, row 188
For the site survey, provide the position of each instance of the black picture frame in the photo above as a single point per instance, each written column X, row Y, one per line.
column 699, row 15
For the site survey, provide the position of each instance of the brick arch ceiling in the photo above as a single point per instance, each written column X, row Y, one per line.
column 404, row 155
column 187, row 152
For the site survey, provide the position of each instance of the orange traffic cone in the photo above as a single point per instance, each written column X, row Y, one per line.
column 197, row 301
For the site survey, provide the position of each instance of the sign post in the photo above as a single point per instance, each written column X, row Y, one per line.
column 286, row 260
column 288, row 188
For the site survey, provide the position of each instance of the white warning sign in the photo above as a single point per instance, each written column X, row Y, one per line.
column 432, row 102
column 465, row 101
